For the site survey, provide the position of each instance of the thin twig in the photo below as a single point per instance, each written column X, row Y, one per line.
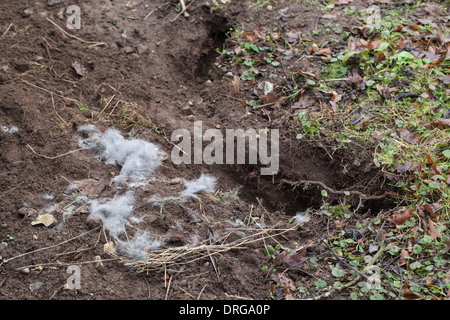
column 43, row 89
column 168, row 287
column 8, row 191
column 201, row 291
column 183, row 7
column 54, row 108
column 9, row 27
column 149, row 14
column 106, row 106
column 93, row 43
column 186, row 292
column 55, row 157
column 237, row 297
column 182, row 11
column 50, row 247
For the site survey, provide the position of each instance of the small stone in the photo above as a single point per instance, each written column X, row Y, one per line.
column 175, row 181
column 35, row 286
column 128, row 50
column 141, row 49
column 447, row 114
column 52, row 3
column 27, row 212
column 99, row 263
column 187, row 111
column 109, row 248
column 27, row 12
column 3, row 246
column 24, row 270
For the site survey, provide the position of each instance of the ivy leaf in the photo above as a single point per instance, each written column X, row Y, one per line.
column 337, row 272
column 320, row 284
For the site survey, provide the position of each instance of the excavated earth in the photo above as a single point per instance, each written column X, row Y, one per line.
column 135, row 64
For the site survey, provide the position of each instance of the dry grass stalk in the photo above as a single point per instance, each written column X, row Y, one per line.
column 164, row 259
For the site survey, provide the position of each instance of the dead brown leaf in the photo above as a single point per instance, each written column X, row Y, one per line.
column 431, row 209
column 356, row 78
column 324, row 52
column 408, row 166
column 290, row 260
column 284, row 281
column 404, row 254
column 380, row 56
column 88, row 187
column 437, row 169
column 413, row 138
column 445, row 79
column 440, row 124
column 400, row 216
column 374, row 44
column 408, row 293
column 250, row 37
column 434, row 233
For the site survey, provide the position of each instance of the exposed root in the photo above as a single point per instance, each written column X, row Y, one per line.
column 339, row 192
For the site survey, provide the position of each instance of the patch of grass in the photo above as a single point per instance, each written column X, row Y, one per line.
column 394, row 103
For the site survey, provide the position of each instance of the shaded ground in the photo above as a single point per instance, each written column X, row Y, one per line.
column 148, row 75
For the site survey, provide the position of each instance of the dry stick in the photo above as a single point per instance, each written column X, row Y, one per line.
column 8, row 191
column 213, row 263
column 186, row 292
column 236, row 297
column 150, row 13
column 93, row 43
column 182, row 11
column 264, row 105
column 168, row 288
column 106, row 106
column 183, row 7
column 63, row 264
column 198, row 298
column 55, row 157
column 50, row 247
column 9, row 27
column 54, row 108
column 43, row 89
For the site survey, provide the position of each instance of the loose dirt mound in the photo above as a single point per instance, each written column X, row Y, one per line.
column 133, row 67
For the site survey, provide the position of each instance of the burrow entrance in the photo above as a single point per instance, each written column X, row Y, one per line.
column 196, row 52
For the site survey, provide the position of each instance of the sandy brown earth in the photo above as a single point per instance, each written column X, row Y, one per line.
column 140, row 68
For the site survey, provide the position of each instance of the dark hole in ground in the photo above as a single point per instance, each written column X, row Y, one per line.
column 196, row 52
column 208, row 57
column 265, row 191
column 277, row 196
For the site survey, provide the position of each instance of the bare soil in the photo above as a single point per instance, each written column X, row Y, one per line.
column 161, row 76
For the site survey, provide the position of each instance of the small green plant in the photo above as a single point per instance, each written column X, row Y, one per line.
column 81, row 106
